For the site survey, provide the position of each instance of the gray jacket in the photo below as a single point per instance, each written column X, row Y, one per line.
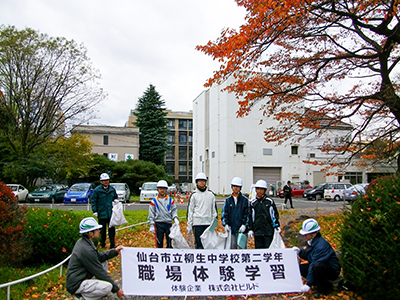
column 85, row 263
column 162, row 210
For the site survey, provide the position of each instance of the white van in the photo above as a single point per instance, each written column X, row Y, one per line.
column 148, row 191
column 335, row 190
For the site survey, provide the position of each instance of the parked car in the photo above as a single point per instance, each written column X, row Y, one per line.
column 19, row 191
column 148, row 191
column 48, row 193
column 79, row 193
column 355, row 191
column 172, row 189
column 297, row 190
column 123, row 191
column 315, row 193
column 335, row 190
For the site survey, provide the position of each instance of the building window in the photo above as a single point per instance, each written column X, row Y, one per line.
column 170, row 123
column 267, row 151
column 171, row 138
column 295, row 150
column 201, row 158
column 240, row 148
column 190, row 138
column 105, row 139
column 213, row 154
column 183, row 153
column 182, row 169
column 182, row 137
column 182, row 124
column 170, row 153
column 190, row 123
column 170, row 168
column 312, row 155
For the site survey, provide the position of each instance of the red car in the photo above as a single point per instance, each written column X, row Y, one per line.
column 297, row 191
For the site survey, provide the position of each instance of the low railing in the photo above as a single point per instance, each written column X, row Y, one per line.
column 9, row 284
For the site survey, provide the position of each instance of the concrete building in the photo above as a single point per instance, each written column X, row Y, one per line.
column 226, row 146
column 116, row 143
column 180, row 140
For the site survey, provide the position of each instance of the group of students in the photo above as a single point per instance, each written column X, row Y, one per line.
column 258, row 218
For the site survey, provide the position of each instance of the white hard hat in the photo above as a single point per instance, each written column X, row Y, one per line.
column 261, row 184
column 201, row 176
column 237, row 181
column 88, row 224
column 309, row 226
column 104, row 176
column 162, row 184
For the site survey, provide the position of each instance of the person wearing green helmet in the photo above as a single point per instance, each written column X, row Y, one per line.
column 86, row 276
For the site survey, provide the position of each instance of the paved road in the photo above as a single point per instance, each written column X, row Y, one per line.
column 297, row 203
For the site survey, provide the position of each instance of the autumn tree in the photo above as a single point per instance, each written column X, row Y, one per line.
column 152, row 125
column 339, row 59
column 46, row 83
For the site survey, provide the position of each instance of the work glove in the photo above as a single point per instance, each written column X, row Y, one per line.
column 189, row 230
column 152, row 229
column 250, row 234
column 278, row 229
column 176, row 221
column 95, row 214
column 305, row 288
column 242, row 228
column 227, row 228
column 297, row 249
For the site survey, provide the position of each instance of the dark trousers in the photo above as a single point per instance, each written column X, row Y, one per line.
column 323, row 274
column 197, row 232
column 263, row 242
column 163, row 229
column 103, row 233
column 289, row 197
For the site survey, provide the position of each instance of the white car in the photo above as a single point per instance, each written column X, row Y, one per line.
column 19, row 191
column 148, row 191
column 335, row 191
column 123, row 191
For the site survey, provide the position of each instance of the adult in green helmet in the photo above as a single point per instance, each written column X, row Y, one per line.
column 86, row 276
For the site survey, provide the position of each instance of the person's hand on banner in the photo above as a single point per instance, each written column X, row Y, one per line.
column 297, row 249
column 305, row 288
column 250, row 234
column 152, row 229
column 176, row 221
column 242, row 228
column 189, row 230
column 227, row 228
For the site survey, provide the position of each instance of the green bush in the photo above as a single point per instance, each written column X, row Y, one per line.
column 52, row 233
column 13, row 246
column 370, row 241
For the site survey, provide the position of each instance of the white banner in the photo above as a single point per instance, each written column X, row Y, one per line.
column 191, row 272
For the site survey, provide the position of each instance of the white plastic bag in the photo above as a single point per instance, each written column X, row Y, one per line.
column 178, row 240
column 277, row 242
column 117, row 216
column 214, row 240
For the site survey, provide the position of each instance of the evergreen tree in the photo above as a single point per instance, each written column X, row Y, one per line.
column 152, row 125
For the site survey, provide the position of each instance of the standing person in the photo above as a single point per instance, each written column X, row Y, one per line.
column 264, row 217
column 102, row 204
column 287, row 191
column 162, row 210
column 201, row 209
column 323, row 264
column 235, row 214
column 86, row 276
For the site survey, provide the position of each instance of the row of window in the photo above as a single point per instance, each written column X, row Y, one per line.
column 184, row 137
column 182, row 124
column 185, row 153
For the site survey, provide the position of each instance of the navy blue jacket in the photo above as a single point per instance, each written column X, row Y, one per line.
column 236, row 215
column 264, row 216
column 319, row 251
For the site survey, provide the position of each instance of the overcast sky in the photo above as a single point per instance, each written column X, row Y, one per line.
column 135, row 43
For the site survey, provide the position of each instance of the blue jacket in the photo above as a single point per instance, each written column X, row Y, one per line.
column 102, row 201
column 319, row 251
column 236, row 215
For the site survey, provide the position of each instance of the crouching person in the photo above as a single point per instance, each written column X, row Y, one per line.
column 86, row 276
column 323, row 265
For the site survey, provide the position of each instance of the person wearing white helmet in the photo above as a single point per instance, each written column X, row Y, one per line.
column 162, row 210
column 235, row 213
column 264, row 217
column 86, row 276
column 201, row 210
column 102, row 204
column 323, row 264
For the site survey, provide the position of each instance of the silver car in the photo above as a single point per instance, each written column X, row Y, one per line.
column 355, row 191
column 123, row 191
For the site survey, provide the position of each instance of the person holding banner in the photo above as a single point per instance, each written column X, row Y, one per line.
column 235, row 213
column 323, row 264
column 162, row 210
column 264, row 217
column 202, row 209
column 86, row 275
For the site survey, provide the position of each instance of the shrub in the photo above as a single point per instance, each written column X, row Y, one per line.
column 13, row 245
column 53, row 234
column 370, row 241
